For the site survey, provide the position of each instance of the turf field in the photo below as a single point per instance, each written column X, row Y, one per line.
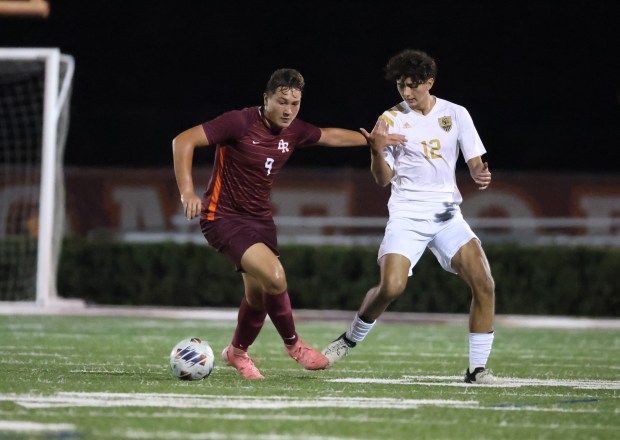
column 108, row 378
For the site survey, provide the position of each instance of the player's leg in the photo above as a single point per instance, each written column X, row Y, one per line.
column 458, row 250
column 471, row 264
column 264, row 266
column 394, row 274
column 404, row 243
column 252, row 313
column 250, row 320
column 395, row 270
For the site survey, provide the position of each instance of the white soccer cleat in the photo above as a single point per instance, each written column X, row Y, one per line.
column 481, row 376
column 338, row 349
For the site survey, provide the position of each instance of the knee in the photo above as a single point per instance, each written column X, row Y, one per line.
column 276, row 283
column 484, row 287
column 392, row 288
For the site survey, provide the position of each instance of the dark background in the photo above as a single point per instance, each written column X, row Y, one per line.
column 540, row 79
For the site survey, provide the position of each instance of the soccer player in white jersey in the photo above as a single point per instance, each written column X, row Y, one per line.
column 424, row 205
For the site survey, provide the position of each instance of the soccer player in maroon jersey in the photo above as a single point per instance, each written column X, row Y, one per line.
column 252, row 145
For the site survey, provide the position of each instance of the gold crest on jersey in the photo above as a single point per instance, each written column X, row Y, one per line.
column 445, row 123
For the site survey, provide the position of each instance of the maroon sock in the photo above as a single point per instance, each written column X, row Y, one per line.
column 249, row 323
column 279, row 310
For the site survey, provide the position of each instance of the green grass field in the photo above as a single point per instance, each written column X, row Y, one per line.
column 108, row 378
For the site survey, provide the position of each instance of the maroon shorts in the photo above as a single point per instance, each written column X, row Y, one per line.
column 234, row 235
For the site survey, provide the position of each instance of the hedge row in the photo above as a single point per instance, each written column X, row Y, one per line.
column 540, row 280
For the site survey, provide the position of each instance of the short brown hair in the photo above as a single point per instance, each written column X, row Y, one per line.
column 410, row 63
column 285, row 78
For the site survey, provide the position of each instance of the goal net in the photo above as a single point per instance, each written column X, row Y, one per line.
column 35, row 88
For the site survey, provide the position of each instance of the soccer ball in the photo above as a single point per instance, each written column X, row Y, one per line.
column 192, row 359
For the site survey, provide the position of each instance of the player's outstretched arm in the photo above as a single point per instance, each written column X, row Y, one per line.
column 340, row 137
column 183, row 154
column 479, row 171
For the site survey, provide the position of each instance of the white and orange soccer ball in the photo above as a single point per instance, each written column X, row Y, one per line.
column 192, row 359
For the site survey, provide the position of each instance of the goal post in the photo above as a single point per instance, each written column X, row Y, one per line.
column 35, row 85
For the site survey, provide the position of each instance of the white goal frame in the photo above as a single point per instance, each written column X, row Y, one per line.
column 55, row 96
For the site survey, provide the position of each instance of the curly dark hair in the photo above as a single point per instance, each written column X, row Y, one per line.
column 285, row 78
column 410, row 63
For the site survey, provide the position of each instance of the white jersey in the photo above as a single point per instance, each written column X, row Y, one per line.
column 424, row 182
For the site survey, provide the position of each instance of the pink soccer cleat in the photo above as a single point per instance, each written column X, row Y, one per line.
column 235, row 357
column 307, row 356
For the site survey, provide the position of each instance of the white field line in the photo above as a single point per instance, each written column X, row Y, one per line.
column 174, row 435
column 101, row 400
column 326, row 417
column 182, row 413
column 508, row 382
column 19, row 426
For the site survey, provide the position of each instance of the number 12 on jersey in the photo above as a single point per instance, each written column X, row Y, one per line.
column 431, row 149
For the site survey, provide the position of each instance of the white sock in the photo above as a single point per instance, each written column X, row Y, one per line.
column 358, row 329
column 480, row 345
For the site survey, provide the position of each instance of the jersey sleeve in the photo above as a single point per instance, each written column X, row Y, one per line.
column 307, row 134
column 469, row 140
column 227, row 126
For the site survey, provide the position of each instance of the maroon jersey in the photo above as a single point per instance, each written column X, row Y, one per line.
column 247, row 158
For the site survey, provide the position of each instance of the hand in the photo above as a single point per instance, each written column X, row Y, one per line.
column 191, row 204
column 482, row 176
column 379, row 138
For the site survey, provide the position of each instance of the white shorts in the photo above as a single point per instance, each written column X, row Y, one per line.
column 410, row 237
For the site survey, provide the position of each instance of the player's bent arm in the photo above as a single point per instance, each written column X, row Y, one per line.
column 340, row 137
column 379, row 168
column 479, row 172
column 183, row 154
column 378, row 139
